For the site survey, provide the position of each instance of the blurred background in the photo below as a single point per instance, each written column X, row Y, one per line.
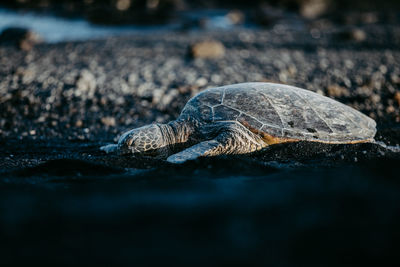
column 86, row 19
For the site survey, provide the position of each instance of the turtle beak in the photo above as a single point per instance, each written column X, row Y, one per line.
column 125, row 145
column 123, row 149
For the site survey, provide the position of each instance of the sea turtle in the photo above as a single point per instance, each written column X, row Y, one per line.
column 246, row 117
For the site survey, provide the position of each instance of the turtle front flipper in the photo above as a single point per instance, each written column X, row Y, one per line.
column 233, row 138
column 206, row 148
column 112, row 148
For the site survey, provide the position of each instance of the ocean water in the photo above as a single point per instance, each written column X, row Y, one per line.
column 56, row 29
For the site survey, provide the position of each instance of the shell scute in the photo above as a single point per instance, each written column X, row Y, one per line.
column 289, row 134
column 210, row 98
column 223, row 112
column 247, row 120
column 272, row 130
column 253, row 104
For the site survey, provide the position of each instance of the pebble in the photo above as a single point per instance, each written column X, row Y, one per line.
column 24, row 38
column 108, row 121
column 356, row 35
column 86, row 84
column 375, row 98
column 390, row 109
column 369, row 18
column 383, row 69
column 236, row 17
column 133, row 78
column 397, row 97
column 167, row 99
column 201, row 82
column 313, row 8
column 337, row 91
column 395, row 78
column 207, row 49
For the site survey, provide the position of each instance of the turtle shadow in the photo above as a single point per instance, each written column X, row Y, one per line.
column 328, row 154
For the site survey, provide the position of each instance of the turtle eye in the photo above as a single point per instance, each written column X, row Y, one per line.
column 130, row 141
column 126, row 140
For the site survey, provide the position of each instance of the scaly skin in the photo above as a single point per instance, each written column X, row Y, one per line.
column 160, row 140
column 156, row 139
column 224, row 137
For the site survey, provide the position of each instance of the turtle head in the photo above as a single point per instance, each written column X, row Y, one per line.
column 146, row 140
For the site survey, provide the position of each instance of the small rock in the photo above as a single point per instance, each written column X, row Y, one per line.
column 188, row 90
column 23, row 38
column 108, row 121
column 133, row 78
column 395, row 78
column 349, row 64
column 157, row 96
column 78, row 123
column 356, row 35
column 397, row 97
column 167, row 99
column 201, row 82
column 375, row 98
column 236, row 17
column 207, row 49
column 369, row 18
column 337, row 91
column 314, row 8
column 383, row 69
column 86, row 84
column 123, row 5
column 390, row 109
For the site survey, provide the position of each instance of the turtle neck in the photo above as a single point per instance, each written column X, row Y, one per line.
column 177, row 132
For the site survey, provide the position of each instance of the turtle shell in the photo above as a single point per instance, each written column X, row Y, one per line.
column 282, row 111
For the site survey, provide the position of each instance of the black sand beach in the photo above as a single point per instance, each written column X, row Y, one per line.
column 62, row 200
